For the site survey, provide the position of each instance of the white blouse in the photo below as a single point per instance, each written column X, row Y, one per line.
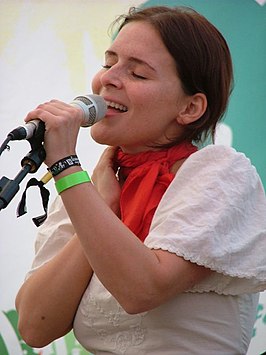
column 213, row 214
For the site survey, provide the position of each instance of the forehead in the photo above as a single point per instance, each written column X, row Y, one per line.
column 141, row 40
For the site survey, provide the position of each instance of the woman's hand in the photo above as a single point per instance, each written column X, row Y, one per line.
column 62, row 124
column 105, row 180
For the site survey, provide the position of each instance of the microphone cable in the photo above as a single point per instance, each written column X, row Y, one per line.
column 5, row 145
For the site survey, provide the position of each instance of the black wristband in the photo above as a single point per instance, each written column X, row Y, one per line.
column 63, row 164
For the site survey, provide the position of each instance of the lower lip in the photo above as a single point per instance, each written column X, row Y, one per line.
column 111, row 112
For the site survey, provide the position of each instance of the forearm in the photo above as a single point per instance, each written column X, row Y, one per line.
column 48, row 300
column 138, row 277
column 123, row 264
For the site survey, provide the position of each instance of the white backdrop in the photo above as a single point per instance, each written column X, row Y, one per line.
column 50, row 50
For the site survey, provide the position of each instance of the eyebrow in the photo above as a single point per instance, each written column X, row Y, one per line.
column 110, row 53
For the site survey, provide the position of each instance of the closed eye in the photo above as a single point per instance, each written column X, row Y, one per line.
column 138, row 76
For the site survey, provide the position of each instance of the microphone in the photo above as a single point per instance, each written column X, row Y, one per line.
column 93, row 107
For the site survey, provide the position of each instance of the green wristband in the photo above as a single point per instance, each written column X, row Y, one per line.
column 71, row 180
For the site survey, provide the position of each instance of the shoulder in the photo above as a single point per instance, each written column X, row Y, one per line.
column 213, row 182
column 213, row 214
column 217, row 162
column 219, row 155
column 52, row 235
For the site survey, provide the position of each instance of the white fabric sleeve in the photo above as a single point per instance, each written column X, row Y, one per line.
column 214, row 214
column 52, row 235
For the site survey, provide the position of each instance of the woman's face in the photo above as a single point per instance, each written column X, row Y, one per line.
column 144, row 94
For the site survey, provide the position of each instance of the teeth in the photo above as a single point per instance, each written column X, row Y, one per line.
column 116, row 106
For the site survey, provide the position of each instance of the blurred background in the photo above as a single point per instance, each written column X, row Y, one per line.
column 51, row 49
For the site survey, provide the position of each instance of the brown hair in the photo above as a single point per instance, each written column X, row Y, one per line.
column 202, row 58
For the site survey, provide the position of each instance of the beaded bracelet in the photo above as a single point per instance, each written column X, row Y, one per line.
column 63, row 164
column 79, row 177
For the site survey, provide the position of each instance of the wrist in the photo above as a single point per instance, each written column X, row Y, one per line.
column 70, row 170
column 70, row 180
column 63, row 164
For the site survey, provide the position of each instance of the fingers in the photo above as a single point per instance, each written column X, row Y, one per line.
column 56, row 113
column 105, row 180
column 62, row 124
column 109, row 153
column 107, row 158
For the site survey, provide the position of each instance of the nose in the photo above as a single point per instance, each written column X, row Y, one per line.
column 112, row 76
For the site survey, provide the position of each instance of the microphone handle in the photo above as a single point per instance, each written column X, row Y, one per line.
column 46, row 177
column 24, row 132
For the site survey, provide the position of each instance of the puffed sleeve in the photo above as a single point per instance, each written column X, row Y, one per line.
column 214, row 214
column 52, row 235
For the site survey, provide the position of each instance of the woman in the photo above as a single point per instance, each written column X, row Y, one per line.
column 163, row 251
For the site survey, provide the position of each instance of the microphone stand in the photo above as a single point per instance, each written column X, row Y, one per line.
column 30, row 164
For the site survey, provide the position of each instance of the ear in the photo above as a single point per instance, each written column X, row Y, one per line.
column 194, row 108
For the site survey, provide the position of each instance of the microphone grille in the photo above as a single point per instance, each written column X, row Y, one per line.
column 96, row 107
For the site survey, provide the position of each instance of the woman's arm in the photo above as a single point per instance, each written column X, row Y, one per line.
column 48, row 299
column 139, row 278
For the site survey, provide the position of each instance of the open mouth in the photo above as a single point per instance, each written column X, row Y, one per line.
column 116, row 106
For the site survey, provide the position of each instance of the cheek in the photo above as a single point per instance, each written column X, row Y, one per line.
column 96, row 83
column 156, row 103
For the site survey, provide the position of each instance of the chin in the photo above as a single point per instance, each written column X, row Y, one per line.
column 101, row 138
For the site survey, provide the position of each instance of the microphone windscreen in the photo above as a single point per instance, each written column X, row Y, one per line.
column 94, row 108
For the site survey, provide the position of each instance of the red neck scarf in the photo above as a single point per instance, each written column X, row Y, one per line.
column 147, row 176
